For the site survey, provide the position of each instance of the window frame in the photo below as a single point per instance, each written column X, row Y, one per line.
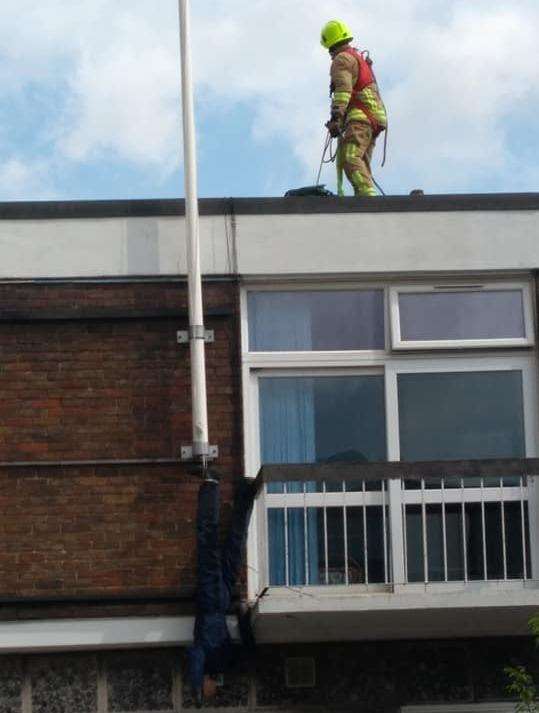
column 451, row 363
column 390, row 362
column 314, row 356
column 398, row 344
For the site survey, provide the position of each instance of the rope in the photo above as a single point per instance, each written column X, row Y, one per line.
column 327, row 145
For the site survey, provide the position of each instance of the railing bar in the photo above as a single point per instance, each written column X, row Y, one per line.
column 504, row 543
column 306, row 539
column 463, row 516
column 266, row 530
column 523, row 529
column 326, row 544
column 424, row 529
column 405, row 541
column 384, row 533
column 483, row 533
column 444, row 532
column 287, row 563
column 365, row 544
column 345, row 529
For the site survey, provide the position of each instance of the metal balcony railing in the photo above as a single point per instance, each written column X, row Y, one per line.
column 383, row 524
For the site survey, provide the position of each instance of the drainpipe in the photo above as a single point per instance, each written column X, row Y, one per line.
column 197, row 334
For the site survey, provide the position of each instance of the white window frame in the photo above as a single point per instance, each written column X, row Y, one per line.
column 398, row 343
column 363, row 498
column 325, row 357
column 391, row 362
column 400, row 497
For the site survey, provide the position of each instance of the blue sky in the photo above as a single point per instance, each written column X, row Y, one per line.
column 90, row 106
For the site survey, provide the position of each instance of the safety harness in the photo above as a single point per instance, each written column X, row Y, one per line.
column 364, row 79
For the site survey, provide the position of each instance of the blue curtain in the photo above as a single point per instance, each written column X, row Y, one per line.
column 279, row 321
column 287, row 430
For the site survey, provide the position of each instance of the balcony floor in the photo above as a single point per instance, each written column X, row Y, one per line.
column 411, row 611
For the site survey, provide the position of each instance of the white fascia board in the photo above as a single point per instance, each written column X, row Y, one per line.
column 94, row 634
column 273, row 246
column 108, row 247
column 379, row 243
column 407, row 597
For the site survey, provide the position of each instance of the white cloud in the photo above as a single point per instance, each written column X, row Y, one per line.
column 456, row 76
column 18, row 178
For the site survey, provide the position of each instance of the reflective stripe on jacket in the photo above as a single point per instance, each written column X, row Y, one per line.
column 355, row 93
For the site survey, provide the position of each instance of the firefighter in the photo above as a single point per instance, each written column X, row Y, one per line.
column 213, row 652
column 358, row 114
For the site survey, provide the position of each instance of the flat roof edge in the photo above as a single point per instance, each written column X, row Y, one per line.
column 136, row 208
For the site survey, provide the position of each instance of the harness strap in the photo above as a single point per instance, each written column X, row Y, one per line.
column 356, row 103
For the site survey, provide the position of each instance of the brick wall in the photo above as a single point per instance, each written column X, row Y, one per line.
column 79, row 386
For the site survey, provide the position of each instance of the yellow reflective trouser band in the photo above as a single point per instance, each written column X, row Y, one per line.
column 361, row 185
column 351, row 151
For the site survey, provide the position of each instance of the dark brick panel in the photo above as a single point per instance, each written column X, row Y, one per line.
column 106, row 390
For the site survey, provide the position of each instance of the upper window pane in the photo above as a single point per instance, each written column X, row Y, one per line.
column 439, row 316
column 316, row 320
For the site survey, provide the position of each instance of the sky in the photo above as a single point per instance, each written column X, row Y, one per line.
column 90, row 103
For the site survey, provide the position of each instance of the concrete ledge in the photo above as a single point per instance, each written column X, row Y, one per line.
column 38, row 210
column 95, row 634
column 410, row 612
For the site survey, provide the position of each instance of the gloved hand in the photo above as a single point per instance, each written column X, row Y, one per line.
column 334, row 128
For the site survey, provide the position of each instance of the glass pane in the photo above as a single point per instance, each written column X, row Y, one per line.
column 375, row 544
column 329, row 419
column 316, row 546
column 453, row 534
column 527, row 534
column 513, row 540
column 335, row 526
column 494, row 314
column 464, row 415
column 435, row 543
column 493, row 528
column 474, row 541
column 276, row 546
column 296, row 546
column 356, row 551
column 414, row 544
column 316, row 320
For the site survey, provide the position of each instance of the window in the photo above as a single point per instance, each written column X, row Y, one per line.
column 316, row 320
column 313, row 538
column 448, row 317
column 320, row 386
column 474, row 529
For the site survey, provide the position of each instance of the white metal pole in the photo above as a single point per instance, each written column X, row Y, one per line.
column 196, row 316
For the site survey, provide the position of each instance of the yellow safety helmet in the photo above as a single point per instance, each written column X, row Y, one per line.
column 333, row 32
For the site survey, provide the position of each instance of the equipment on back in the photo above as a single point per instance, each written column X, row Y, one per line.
column 334, row 32
column 365, row 77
